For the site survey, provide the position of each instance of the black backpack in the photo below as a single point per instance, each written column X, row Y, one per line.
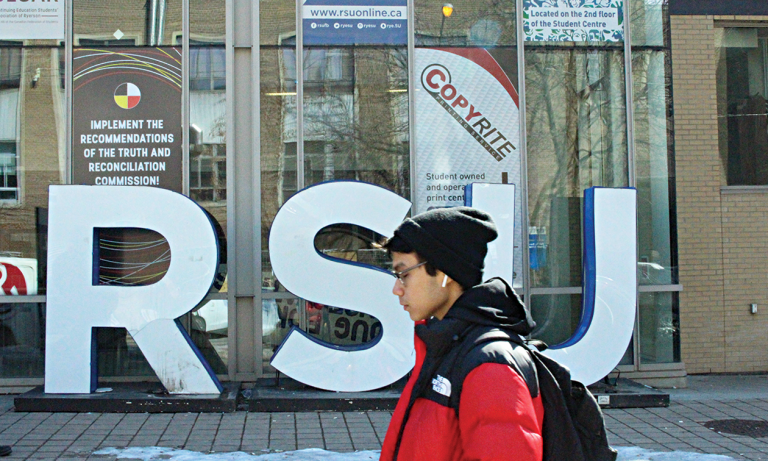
column 574, row 429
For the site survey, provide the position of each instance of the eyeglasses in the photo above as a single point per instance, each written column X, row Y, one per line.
column 400, row 274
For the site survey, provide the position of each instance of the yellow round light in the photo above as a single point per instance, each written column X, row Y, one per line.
column 447, row 10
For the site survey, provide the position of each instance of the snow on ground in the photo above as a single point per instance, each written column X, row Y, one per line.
column 170, row 454
column 316, row 454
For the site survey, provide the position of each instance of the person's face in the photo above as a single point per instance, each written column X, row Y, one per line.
column 421, row 295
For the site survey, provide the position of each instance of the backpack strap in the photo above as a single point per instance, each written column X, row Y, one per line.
column 492, row 345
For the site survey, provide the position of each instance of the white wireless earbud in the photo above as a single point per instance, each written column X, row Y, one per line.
column 445, row 280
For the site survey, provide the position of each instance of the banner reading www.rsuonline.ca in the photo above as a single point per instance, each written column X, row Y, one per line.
column 355, row 22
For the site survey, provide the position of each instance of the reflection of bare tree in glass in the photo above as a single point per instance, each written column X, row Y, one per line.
column 648, row 25
column 653, row 143
column 356, row 117
column 576, row 122
column 479, row 23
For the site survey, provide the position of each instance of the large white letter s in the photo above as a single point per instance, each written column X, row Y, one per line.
column 308, row 274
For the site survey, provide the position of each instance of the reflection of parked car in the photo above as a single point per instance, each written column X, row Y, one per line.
column 650, row 273
column 352, row 243
column 213, row 317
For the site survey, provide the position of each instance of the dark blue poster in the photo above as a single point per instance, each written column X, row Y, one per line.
column 355, row 22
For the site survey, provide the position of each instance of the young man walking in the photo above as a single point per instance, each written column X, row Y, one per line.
column 465, row 400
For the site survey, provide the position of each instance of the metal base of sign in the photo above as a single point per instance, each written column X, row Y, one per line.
column 287, row 395
column 129, row 398
column 624, row 393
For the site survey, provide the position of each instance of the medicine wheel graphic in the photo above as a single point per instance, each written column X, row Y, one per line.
column 127, row 95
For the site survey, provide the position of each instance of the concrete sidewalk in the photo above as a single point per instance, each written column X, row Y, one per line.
column 72, row 436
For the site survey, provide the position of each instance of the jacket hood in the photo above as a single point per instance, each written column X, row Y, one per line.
column 494, row 303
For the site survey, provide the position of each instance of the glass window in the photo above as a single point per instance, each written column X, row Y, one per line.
column 277, row 21
column 658, row 334
column 648, row 23
column 209, row 330
column 95, row 42
column 354, row 123
column 32, row 157
column 22, row 340
column 207, row 21
column 659, row 328
column 577, row 138
column 654, row 168
column 8, row 172
column 207, row 68
column 484, row 23
column 278, row 316
column 119, row 355
column 466, row 105
column 10, row 65
column 279, row 179
column 742, row 90
column 355, row 127
column 207, row 119
column 127, row 23
column 10, row 82
column 208, row 173
column 209, row 323
column 556, row 316
column 341, row 327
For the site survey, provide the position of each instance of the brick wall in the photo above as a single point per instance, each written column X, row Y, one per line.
column 722, row 240
column 699, row 177
column 745, row 264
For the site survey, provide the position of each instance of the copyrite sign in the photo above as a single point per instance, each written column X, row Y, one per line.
column 467, row 129
column 126, row 117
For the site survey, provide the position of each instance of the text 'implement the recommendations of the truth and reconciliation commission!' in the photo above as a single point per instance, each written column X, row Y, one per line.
column 113, row 165
column 574, row 21
column 126, row 117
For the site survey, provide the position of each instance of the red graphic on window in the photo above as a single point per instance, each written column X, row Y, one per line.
column 12, row 280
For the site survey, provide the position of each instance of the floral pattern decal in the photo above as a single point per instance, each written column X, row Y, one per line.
column 533, row 31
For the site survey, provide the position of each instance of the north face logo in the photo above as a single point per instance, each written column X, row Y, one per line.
column 441, row 386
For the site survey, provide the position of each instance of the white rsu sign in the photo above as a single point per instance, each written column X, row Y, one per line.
column 75, row 305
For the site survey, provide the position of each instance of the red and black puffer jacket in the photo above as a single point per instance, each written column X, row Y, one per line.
column 495, row 418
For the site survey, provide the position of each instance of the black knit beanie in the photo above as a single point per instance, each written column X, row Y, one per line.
column 453, row 240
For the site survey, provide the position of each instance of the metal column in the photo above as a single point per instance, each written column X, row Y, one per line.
column 244, row 186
